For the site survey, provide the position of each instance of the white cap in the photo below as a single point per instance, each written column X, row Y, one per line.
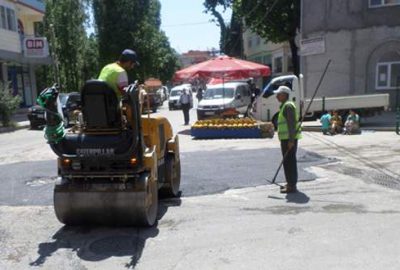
column 283, row 89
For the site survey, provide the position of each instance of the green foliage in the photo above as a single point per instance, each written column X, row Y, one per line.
column 8, row 104
column 134, row 24
column 211, row 7
column 64, row 27
column 274, row 20
column 234, row 40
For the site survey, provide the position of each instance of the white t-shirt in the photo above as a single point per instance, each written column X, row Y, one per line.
column 122, row 80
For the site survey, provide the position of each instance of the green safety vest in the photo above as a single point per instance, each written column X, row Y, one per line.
column 283, row 131
column 110, row 74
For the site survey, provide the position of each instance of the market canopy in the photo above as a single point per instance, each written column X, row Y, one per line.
column 225, row 67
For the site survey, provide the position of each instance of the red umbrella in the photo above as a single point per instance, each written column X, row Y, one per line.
column 223, row 67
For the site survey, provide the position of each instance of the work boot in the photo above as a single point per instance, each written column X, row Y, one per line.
column 288, row 189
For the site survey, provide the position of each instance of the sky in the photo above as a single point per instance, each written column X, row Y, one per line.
column 188, row 27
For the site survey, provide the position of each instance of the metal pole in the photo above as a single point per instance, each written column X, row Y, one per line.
column 398, row 107
column 323, row 104
column 301, row 122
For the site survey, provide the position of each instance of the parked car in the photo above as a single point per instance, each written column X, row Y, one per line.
column 69, row 103
column 175, row 94
column 222, row 97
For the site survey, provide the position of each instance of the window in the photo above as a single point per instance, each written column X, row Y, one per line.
column 267, row 60
column 382, row 3
column 278, row 64
column 290, row 64
column 3, row 18
column 11, row 20
column 8, row 19
column 258, row 40
column 38, row 29
column 250, row 42
column 388, row 75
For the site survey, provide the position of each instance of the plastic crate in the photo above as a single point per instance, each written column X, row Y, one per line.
column 241, row 133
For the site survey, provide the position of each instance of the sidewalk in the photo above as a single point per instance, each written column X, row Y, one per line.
column 20, row 118
column 384, row 122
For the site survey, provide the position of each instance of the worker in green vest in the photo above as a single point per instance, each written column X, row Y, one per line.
column 289, row 132
column 115, row 74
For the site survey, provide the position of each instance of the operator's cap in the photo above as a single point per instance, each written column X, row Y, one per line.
column 129, row 55
column 283, row 90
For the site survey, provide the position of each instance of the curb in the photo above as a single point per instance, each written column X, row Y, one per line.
column 11, row 129
column 383, row 129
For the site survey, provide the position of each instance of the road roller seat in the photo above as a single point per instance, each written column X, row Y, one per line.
column 100, row 106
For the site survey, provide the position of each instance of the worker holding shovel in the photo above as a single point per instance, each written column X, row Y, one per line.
column 289, row 132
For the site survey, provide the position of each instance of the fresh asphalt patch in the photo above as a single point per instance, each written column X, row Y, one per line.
column 203, row 173
column 206, row 172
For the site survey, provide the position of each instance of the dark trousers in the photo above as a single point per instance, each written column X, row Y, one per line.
column 185, row 109
column 290, row 163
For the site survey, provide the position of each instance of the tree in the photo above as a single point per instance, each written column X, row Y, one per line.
column 8, row 104
column 274, row 20
column 234, row 37
column 134, row 24
column 64, row 27
column 211, row 6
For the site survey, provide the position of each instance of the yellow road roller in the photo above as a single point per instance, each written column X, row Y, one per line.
column 113, row 163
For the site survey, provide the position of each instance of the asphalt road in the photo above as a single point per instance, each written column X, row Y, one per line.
column 204, row 171
column 346, row 219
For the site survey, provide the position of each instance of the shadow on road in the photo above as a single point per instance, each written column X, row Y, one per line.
column 97, row 244
column 298, row 197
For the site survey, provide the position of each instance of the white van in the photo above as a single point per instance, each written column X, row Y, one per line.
column 220, row 97
column 175, row 95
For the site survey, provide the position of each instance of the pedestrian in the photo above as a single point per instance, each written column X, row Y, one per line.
column 325, row 122
column 336, row 123
column 289, row 132
column 199, row 94
column 352, row 124
column 142, row 97
column 115, row 74
column 186, row 101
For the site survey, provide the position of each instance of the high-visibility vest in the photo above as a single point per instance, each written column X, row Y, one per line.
column 109, row 74
column 283, row 131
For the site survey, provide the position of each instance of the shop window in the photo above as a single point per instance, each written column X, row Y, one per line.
column 267, row 60
column 388, row 75
column 278, row 64
column 258, row 41
column 250, row 42
column 290, row 64
column 38, row 29
column 383, row 3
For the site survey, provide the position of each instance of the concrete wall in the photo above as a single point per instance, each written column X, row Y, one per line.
column 355, row 54
column 10, row 41
column 336, row 15
column 356, row 39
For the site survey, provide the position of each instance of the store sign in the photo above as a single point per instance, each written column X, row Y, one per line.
column 312, row 46
column 36, row 47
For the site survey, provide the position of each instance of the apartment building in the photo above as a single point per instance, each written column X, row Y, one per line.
column 22, row 49
column 276, row 56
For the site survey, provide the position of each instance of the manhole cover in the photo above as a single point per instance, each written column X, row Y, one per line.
column 41, row 181
column 113, row 245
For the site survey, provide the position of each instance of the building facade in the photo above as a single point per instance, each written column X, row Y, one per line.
column 276, row 56
column 194, row 57
column 21, row 47
column 362, row 37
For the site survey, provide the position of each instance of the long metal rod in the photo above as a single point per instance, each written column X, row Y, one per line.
column 301, row 122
